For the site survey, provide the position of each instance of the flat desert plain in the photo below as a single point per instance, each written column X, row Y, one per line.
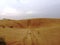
column 40, row 31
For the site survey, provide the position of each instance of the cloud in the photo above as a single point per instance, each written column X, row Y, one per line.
column 8, row 10
column 24, row 1
column 29, row 12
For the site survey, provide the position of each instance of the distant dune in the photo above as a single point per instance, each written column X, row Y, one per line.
column 40, row 31
column 29, row 23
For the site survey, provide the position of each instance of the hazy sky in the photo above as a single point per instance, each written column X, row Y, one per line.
column 19, row 9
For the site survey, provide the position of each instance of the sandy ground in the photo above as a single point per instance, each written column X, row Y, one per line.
column 46, row 34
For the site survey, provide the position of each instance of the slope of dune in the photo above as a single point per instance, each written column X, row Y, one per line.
column 42, row 22
column 41, row 31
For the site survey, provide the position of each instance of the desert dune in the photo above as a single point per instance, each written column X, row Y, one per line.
column 40, row 31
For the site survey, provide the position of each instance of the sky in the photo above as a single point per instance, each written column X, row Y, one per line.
column 24, row 9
